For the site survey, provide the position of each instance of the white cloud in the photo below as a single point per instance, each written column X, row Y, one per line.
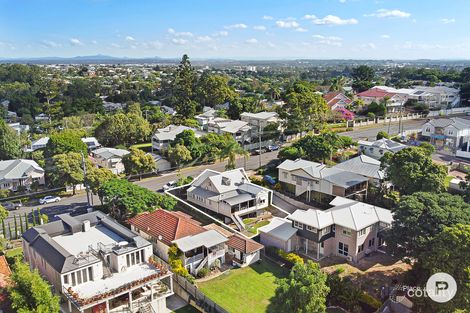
column 334, row 20
column 152, row 45
column 179, row 34
column 179, row 41
column 342, row 1
column 301, row 30
column 329, row 40
column 221, row 33
column 252, row 41
column 203, row 39
column 76, row 42
column 267, row 17
column 447, row 20
column 50, row 44
column 94, row 42
column 236, row 26
column 385, row 36
column 287, row 23
column 259, row 27
column 383, row 13
column 130, row 38
column 309, row 17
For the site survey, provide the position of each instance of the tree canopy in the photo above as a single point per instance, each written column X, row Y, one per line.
column 304, row 291
column 137, row 162
column 64, row 142
column 10, row 146
column 66, row 169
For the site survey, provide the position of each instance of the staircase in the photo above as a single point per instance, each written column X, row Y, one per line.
column 147, row 308
column 107, row 272
column 238, row 221
column 201, row 265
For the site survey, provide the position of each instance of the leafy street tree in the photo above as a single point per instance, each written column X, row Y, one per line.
column 137, row 162
column 442, row 256
column 183, row 89
column 30, row 293
column 382, row 134
column 304, row 291
column 213, row 89
column 95, row 177
column 427, row 147
column 125, row 199
column 188, row 139
column 66, row 169
column 3, row 213
column 230, row 151
column 124, row 129
column 64, row 142
column 418, row 218
column 179, row 154
column 10, row 146
column 362, row 78
column 291, row 153
column 305, row 109
column 212, row 145
column 412, row 169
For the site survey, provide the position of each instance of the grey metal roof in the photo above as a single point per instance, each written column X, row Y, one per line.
column 41, row 239
column 206, row 239
column 240, row 198
column 108, row 153
column 279, row 228
column 342, row 178
column 16, row 169
column 362, row 165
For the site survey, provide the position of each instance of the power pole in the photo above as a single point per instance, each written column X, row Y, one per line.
column 259, row 136
column 84, row 181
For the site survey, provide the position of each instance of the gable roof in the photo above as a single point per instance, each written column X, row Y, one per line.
column 384, row 143
column 208, row 238
column 244, row 245
column 170, row 225
column 459, row 123
column 260, row 115
column 280, row 228
column 16, row 169
column 108, row 153
column 375, row 93
column 362, row 165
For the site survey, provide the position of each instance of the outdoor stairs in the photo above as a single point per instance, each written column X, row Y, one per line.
column 201, row 265
column 238, row 221
column 146, row 308
column 107, row 272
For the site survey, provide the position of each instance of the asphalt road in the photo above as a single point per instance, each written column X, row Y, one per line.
column 70, row 204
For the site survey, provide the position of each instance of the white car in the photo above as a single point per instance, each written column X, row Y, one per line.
column 169, row 185
column 49, row 199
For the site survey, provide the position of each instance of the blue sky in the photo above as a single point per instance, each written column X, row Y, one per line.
column 261, row 29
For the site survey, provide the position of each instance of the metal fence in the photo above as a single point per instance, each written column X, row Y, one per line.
column 198, row 297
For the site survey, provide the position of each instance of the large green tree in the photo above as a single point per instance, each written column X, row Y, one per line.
column 30, row 292
column 183, row 89
column 449, row 252
column 362, row 78
column 305, row 108
column 230, row 151
column 64, row 142
column 419, row 217
column 66, row 169
column 304, row 291
column 179, row 154
column 188, row 139
column 95, row 177
column 125, row 199
column 412, row 169
column 10, row 146
column 137, row 162
column 213, row 89
column 124, row 129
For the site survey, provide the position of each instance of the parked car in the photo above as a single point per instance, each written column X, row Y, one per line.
column 273, row 147
column 259, row 151
column 270, row 180
column 10, row 206
column 49, row 199
column 169, row 185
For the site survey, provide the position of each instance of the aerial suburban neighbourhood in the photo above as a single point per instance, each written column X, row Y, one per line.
column 245, row 157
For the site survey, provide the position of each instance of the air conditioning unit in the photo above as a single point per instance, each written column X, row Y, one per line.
column 349, row 258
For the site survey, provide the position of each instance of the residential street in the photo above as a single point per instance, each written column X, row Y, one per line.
column 70, row 204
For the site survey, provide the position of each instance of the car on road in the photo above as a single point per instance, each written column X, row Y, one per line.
column 259, row 151
column 169, row 185
column 273, row 147
column 49, row 199
column 10, row 206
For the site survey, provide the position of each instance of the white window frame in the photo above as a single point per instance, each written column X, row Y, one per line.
column 362, row 232
column 344, row 250
column 298, row 225
column 312, row 229
column 346, row 232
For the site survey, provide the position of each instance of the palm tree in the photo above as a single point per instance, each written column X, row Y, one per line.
column 337, row 83
column 230, row 151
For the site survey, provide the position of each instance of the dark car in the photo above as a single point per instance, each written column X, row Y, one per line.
column 10, row 206
column 270, row 180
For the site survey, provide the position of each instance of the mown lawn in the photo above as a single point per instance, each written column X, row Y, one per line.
column 246, row 289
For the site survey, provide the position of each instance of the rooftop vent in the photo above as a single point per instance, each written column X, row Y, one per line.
column 86, row 225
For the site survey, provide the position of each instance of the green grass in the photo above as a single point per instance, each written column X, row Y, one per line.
column 13, row 252
column 253, row 228
column 247, row 289
column 187, row 309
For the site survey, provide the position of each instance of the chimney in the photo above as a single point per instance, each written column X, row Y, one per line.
column 86, row 226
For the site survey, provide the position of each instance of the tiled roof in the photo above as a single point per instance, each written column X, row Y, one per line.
column 375, row 93
column 244, row 245
column 330, row 96
column 170, row 225
column 4, row 271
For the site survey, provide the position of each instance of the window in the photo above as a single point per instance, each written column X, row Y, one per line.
column 372, row 242
column 285, row 175
column 79, row 277
column 343, row 249
column 360, row 248
column 362, row 232
column 312, row 229
column 73, row 279
column 66, row 279
column 333, row 228
column 90, row 273
column 298, row 225
column 128, row 260
column 451, row 132
column 85, row 279
column 347, row 232
column 142, row 256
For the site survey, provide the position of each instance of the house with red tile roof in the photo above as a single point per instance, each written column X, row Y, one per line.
column 337, row 100
column 395, row 101
column 5, row 273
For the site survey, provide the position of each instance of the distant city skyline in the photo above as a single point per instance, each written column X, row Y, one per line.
column 260, row 29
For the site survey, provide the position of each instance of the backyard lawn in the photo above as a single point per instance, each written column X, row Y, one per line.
column 246, row 289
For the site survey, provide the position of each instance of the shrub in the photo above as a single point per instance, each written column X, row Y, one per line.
column 370, row 300
column 290, row 257
column 203, row 272
column 340, row 270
